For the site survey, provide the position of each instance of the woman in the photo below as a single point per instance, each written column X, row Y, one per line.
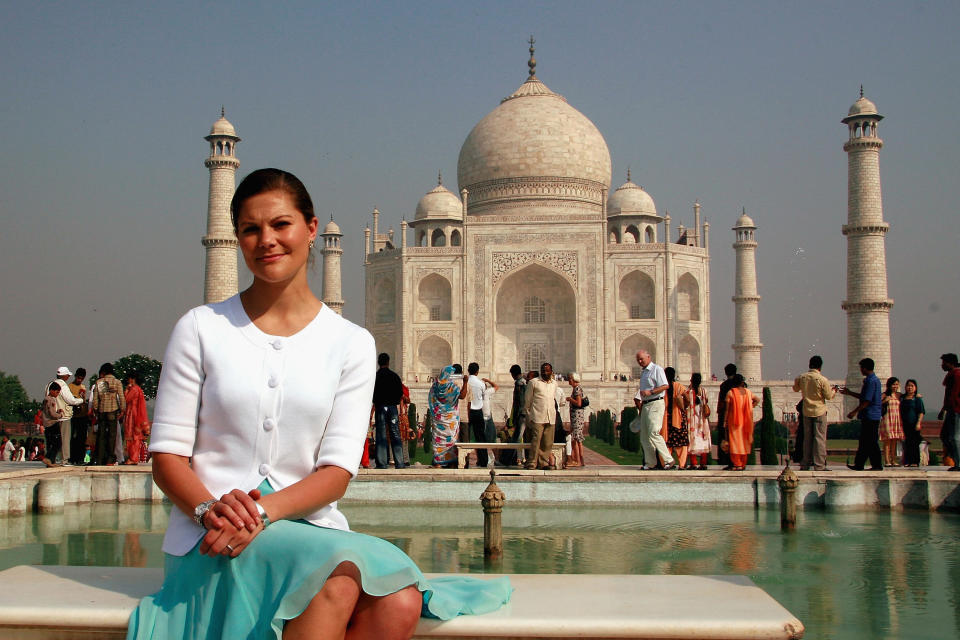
column 911, row 416
column 403, row 420
column 739, row 422
column 576, row 421
column 675, row 416
column 891, row 429
column 134, row 419
column 444, row 400
column 263, row 401
column 698, row 423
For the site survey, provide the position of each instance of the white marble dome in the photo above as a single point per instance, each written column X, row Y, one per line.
column 534, row 145
column 332, row 227
column 862, row 107
column 439, row 204
column 745, row 221
column 222, row 127
column 630, row 198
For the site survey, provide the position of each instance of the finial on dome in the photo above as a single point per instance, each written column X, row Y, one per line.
column 533, row 61
column 223, row 112
column 628, row 174
column 439, row 178
column 331, row 217
column 744, row 211
column 861, row 90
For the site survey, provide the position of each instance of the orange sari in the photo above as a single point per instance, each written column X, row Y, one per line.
column 134, row 421
column 739, row 423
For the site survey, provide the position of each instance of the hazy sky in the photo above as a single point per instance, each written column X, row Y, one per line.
column 103, row 191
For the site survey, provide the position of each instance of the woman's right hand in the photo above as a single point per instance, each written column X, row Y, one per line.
column 228, row 540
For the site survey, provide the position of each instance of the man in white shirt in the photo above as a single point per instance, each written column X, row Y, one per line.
column 649, row 401
column 489, row 427
column 541, row 408
column 67, row 402
column 473, row 388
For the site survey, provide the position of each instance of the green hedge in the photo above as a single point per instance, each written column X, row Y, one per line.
column 412, row 417
column 629, row 441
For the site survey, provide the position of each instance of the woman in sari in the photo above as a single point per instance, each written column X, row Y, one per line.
column 739, row 421
column 698, row 413
column 675, row 418
column 445, row 418
column 135, row 419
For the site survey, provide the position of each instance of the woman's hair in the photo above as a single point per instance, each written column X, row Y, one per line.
column 135, row 376
column 915, row 386
column 695, row 380
column 890, row 382
column 739, row 380
column 266, row 180
column 53, row 387
column 574, row 376
column 671, row 374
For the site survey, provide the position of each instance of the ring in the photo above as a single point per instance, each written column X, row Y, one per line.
column 229, row 548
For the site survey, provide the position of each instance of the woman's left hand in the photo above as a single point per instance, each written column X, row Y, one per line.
column 237, row 508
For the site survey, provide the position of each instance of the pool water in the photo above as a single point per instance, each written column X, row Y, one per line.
column 873, row 574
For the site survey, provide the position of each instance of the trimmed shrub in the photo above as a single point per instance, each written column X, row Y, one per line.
column 768, row 431
column 412, row 417
column 629, row 441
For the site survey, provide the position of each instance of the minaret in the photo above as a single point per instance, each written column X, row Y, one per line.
column 746, row 335
column 867, row 304
column 332, row 291
column 220, row 271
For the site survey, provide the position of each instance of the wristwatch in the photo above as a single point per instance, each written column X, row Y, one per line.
column 263, row 514
column 201, row 510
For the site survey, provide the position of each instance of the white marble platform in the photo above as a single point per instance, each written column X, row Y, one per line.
column 83, row 603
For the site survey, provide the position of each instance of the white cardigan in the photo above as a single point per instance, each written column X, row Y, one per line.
column 247, row 406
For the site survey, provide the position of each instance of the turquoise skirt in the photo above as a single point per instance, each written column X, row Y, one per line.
column 279, row 573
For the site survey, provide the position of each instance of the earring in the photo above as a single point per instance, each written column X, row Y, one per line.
column 311, row 244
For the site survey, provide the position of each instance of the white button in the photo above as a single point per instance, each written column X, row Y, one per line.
column 269, row 424
column 277, row 344
column 264, row 469
column 273, row 382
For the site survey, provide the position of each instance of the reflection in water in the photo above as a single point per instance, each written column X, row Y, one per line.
column 854, row 575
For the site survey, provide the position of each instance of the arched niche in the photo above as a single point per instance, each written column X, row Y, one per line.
column 384, row 299
column 434, row 353
column 631, row 235
column 535, row 308
column 649, row 235
column 438, row 238
column 688, row 358
column 688, row 298
column 614, row 235
column 636, row 297
column 455, row 238
column 434, row 299
column 628, row 352
column 421, row 238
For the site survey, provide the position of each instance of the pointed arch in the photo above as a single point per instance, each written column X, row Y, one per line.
column 434, row 299
column 434, row 353
column 688, row 298
column 636, row 297
column 438, row 238
column 688, row 357
column 631, row 235
column 384, row 298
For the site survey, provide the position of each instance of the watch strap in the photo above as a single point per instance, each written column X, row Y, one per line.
column 201, row 510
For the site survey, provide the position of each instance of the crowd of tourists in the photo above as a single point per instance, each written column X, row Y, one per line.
column 673, row 420
column 105, row 424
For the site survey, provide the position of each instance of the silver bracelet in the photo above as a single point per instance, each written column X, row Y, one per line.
column 263, row 514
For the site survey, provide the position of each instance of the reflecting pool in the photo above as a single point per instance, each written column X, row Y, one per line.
column 874, row 574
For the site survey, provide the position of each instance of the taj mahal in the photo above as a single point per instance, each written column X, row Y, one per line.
column 536, row 258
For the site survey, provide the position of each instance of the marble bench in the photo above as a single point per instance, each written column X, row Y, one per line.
column 559, row 450
column 87, row 603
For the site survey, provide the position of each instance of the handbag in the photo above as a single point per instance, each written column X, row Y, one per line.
column 584, row 402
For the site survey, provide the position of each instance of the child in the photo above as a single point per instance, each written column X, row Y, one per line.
column 51, row 424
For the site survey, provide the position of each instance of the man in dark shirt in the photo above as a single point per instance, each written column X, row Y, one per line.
column 387, row 392
column 950, row 413
column 868, row 412
column 730, row 370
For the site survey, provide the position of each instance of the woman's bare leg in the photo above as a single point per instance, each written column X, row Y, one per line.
column 329, row 612
column 391, row 617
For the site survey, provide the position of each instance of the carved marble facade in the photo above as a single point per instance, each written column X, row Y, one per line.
column 536, row 259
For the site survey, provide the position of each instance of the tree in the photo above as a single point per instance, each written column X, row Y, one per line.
column 147, row 367
column 15, row 405
column 768, row 431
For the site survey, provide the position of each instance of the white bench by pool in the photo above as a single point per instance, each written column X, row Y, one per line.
column 87, row 603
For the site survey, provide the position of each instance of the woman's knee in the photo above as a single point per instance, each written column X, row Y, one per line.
column 407, row 605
